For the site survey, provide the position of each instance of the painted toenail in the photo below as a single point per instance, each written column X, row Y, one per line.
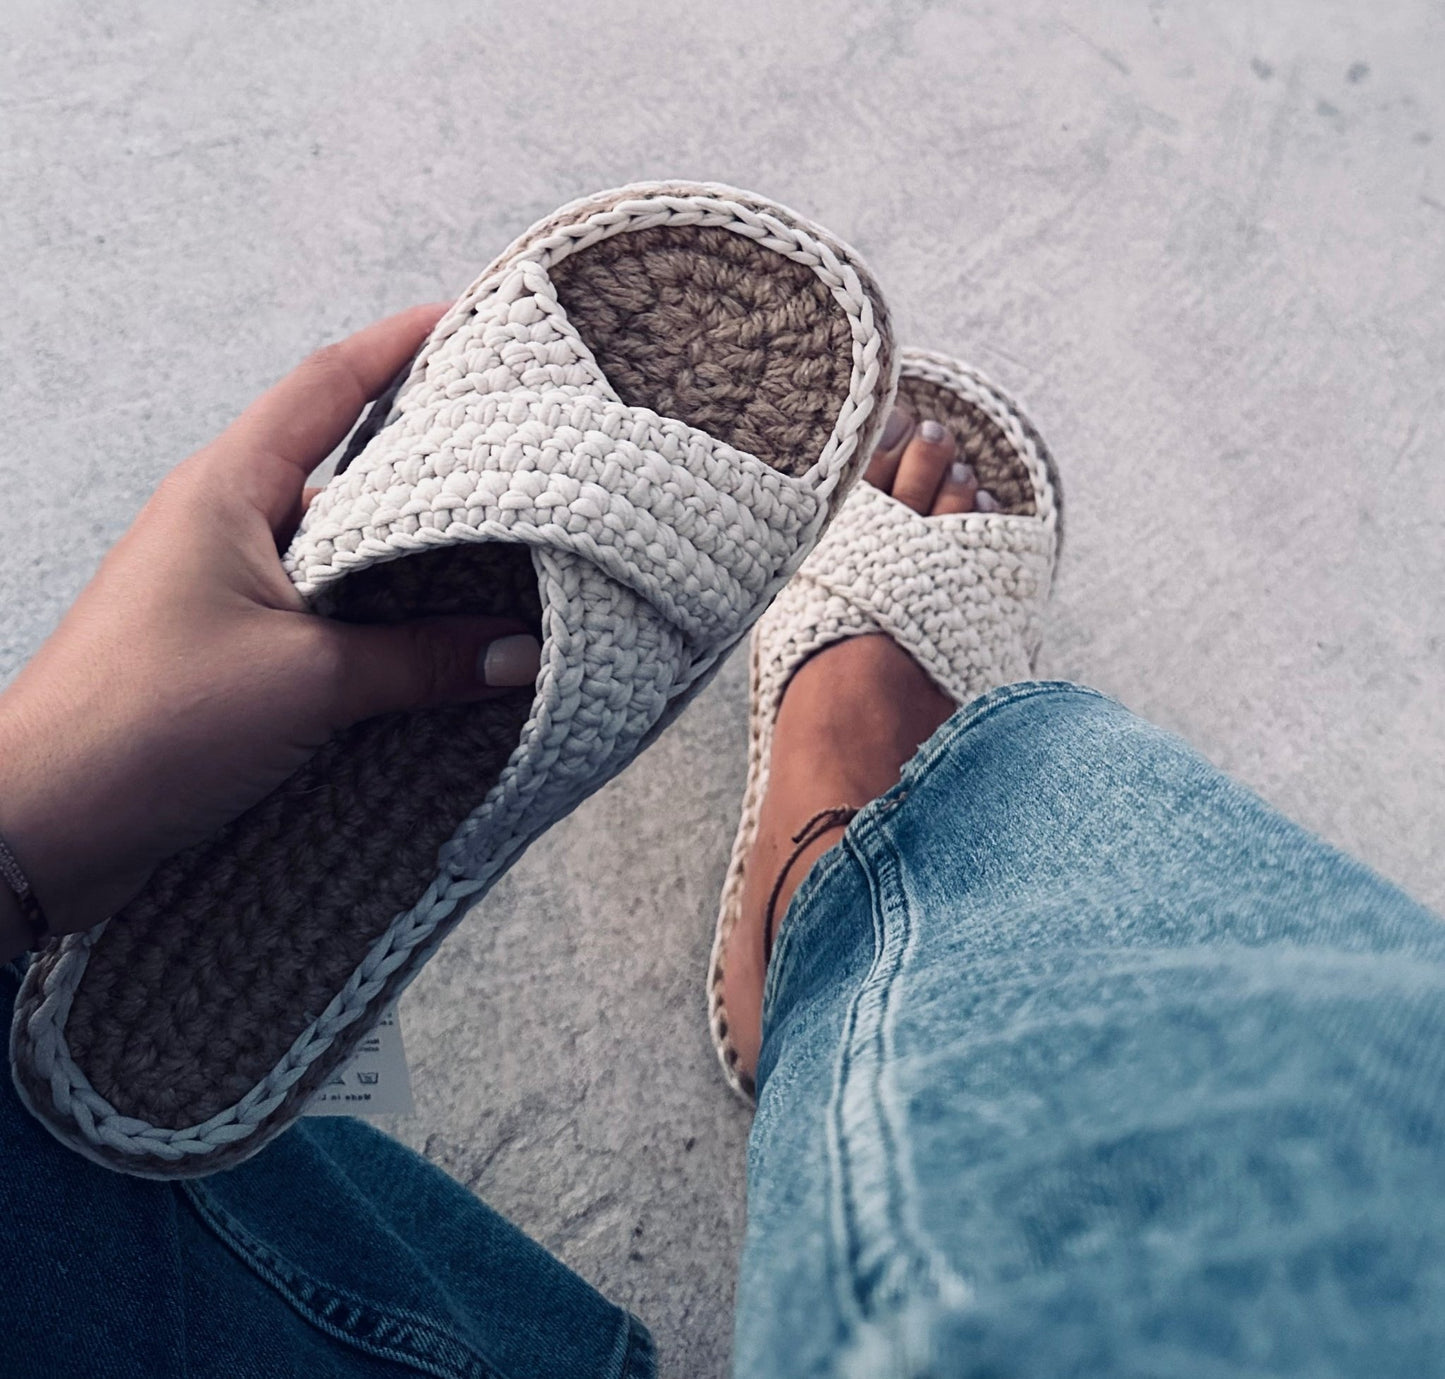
column 899, row 424
column 932, row 432
column 961, row 473
column 984, row 501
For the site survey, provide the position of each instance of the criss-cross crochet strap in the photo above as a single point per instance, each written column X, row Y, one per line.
column 510, row 431
column 963, row 593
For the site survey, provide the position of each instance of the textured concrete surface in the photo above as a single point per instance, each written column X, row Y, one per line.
column 1205, row 242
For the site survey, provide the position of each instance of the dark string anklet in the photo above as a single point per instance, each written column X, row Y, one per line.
column 838, row 817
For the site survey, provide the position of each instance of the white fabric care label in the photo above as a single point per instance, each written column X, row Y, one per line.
column 375, row 1083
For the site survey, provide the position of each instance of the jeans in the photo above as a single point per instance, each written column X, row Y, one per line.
column 334, row 1252
column 1078, row 1060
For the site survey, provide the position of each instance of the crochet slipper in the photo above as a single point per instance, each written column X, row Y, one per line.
column 963, row 594
column 627, row 433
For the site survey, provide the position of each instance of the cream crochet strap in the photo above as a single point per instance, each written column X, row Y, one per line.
column 963, row 594
column 655, row 543
column 556, row 460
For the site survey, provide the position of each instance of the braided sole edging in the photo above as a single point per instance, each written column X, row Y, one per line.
column 91, row 1124
column 821, row 614
column 102, row 1127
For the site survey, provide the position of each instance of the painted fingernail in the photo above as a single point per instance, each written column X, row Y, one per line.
column 899, row 424
column 933, row 432
column 510, row 662
column 984, row 501
column 962, row 474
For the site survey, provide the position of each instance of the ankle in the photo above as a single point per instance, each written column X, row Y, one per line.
column 850, row 720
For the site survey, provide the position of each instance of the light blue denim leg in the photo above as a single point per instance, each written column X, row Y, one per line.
column 1079, row 1059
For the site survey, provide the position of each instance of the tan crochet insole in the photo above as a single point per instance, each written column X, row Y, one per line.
column 200, row 985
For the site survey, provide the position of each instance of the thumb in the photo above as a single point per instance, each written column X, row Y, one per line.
column 383, row 668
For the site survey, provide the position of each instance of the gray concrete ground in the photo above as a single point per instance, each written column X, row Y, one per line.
column 1205, row 242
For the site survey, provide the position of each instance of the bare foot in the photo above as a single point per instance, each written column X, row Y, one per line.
column 850, row 718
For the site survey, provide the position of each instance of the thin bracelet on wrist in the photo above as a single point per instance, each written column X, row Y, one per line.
column 30, row 909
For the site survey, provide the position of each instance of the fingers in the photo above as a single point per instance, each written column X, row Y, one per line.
column 426, row 662
column 266, row 454
column 308, row 413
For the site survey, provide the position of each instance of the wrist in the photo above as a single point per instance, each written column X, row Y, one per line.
column 17, row 923
column 36, row 826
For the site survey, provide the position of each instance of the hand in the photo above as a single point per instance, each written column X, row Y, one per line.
column 188, row 680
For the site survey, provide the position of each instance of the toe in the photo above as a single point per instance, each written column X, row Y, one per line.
column 957, row 491
column 925, row 461
column 884, row 464
column 985, row 502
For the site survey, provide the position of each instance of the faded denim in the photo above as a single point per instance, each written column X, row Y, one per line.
column 1079, row 1059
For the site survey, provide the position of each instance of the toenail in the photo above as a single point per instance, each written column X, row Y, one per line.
column 899, row 424
column 932, row 432
column 984, row 501
column 962, row 473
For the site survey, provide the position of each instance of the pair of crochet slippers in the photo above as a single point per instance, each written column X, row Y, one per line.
column 629, row 433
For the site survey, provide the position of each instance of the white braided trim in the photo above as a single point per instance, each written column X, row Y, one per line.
column 963, row 594
column 688, row 589
column 646, row 205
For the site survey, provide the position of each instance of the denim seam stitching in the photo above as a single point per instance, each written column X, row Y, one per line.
column 933, row 1264
column 893, row 923
column 840, row 1206
column 902, row 1246
column 860, row 1125
column 289, row 1282
column 639, row 1358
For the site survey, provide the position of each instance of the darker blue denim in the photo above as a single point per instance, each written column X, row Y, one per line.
column 334, row 1252
column 1080, row 1060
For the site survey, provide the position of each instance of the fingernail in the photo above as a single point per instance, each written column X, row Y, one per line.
column 962, row 474
column 898, row 425
column 984, row 501
column 510, row 662
column 933, row 432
